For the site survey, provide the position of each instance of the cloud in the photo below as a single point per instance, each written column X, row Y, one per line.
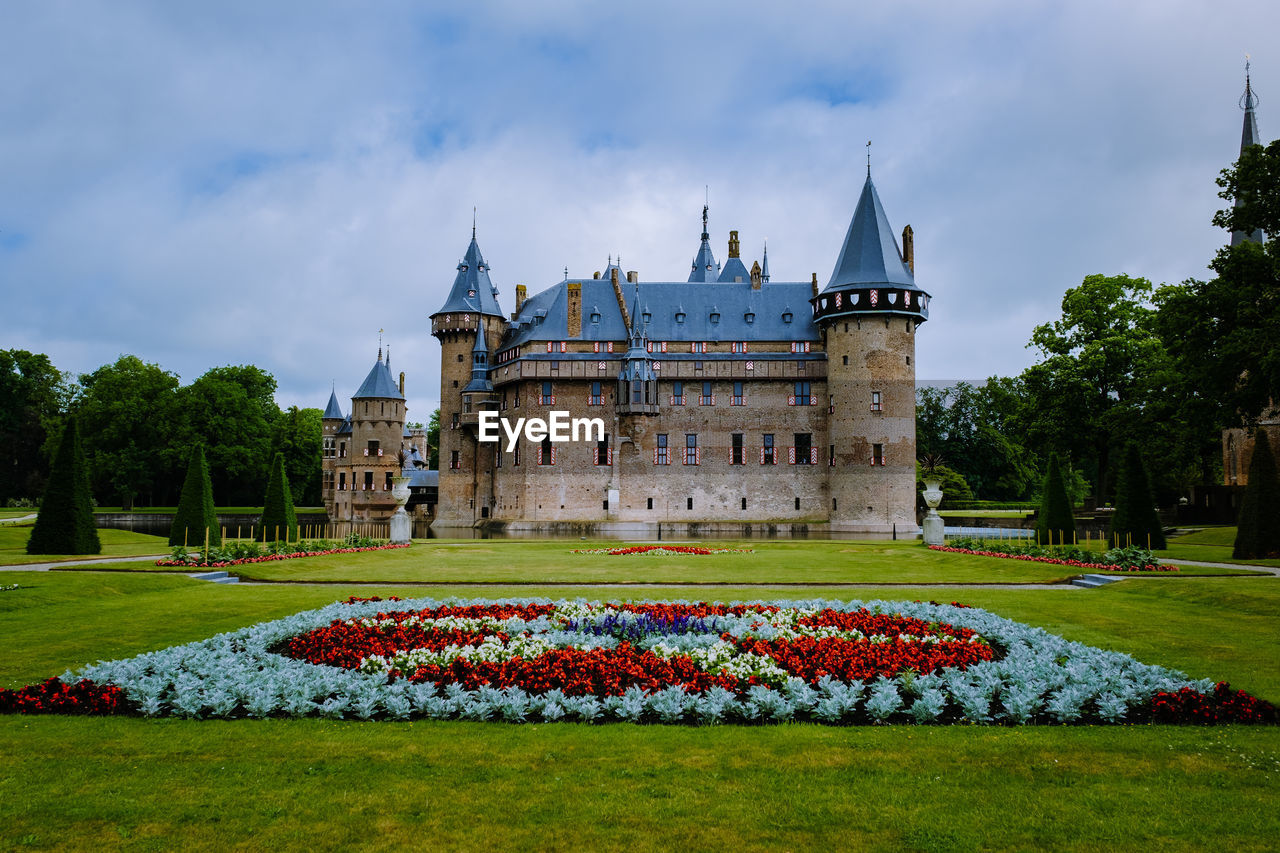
column 272, row 184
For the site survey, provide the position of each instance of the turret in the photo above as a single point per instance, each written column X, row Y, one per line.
column 637, row 382
column 330, row 423
column 376, row 425
column 868, row 314
column 705, row 267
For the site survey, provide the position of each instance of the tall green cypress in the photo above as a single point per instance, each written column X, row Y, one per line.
column 65, row 524
column 1055, row 522
column 277, row 508
column 1135, row 518
column 1258, row 531
column 196, row 512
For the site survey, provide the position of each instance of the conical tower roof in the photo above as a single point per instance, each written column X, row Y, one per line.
column 379, row 384
column 704, row 263
column 870, row 254
column 472, row 290
column 1248, row 137
column 333, row 411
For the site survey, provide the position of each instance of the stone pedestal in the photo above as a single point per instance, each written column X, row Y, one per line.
column 934, row 531
column 401, row 524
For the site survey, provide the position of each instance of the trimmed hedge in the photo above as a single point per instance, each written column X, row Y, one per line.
column 1055, row 522
column 278, row 515
column 196, row 513
column 65, row 524
column 1135, row 521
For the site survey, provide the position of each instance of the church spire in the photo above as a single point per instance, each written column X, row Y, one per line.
column 1248, row 137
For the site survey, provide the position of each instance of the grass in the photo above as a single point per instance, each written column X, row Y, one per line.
column 115, row 543
column 1211, row 545
column 223, row 510
column 165, row 784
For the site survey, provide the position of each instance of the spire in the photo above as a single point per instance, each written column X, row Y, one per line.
column 870, row 253
column 333, row 411
column 379, row 384
column 472, row 291
column 704, row 263
column 479, row 363
column 1248, row 137
column 764, row 270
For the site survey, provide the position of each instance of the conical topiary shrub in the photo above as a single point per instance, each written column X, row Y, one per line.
column 279, row 521
column 196, row 512
column 1135, row 520
column 1258, row 532
column 1055, row 522
column 65, row 524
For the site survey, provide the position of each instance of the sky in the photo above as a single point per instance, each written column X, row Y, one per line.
column 204, row 184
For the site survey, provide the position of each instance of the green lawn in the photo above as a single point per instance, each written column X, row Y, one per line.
column 224, row 510
column 1212, row 545
column 115, row 543
column 293, row 784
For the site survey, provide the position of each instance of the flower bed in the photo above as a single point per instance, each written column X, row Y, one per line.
column 662, row 550
column 1152, row 566
column 692, row 662
column 195, row 560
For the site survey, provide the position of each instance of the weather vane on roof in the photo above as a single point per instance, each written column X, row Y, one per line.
column 473, row 222
column 868, row 158
column 379, row 345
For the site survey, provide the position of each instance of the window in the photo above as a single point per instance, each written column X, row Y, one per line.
column 735, row 451
column 504, row 401
column 597, row 395
column 547, row 398
column 515, row 398
column 846, row 361
column 546, row 452
column 660, row 451
column 707, row 398
column 555, row 346
column 608, row 346
column 797, row 503
column 831, row 404
column 604, row 453
column 515, row 456
column 386, row 486
column 737, row 394
column 799, row 346
column 637, row 392
column 691, row 449
column 802, row 395
column 689, row 503
column 739, row 346
column 744, row 503
column 342, row 450
column 342, row 481
column 768, row 455
column 368, row 481
column 698, row 346
column 453, row 422
column 877, row 454
column 373, row 449
column 650, row 504
column 455, row 463
column 831, row 456
column 875, row 401
column 677, row 393
column 803, row 452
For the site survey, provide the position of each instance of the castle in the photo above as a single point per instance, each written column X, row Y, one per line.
column 727, row 397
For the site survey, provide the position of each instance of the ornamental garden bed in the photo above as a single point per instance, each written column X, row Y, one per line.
column 1130, row 559
column 651, row 662
column 241, row 553
column 661, row 550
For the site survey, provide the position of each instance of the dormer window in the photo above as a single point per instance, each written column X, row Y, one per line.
column 750, row 317
column 646, row 317
column 714, row 316
column 471, row 293
column 680, row 316
column 786, row 317
column 595, row 318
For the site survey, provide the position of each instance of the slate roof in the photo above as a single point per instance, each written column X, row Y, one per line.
column 1248, row 136
column 344, row 428
column 479, row 364
column 870, row 254
column 734, row 268
column 379, row 384
column 472, row 290
column 333, row 411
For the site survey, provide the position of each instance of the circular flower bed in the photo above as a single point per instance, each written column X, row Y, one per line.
column 661, row 550
column 693, row 662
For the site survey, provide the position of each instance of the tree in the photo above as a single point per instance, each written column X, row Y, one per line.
column 433, row 440
column 1135, row 520
column 1253, row 185
column 232, row 412
column 1056, row 521
column 1258, row 530
column 966, row 425
column 126, row 412
column 65, row 524
column 951, row 482
column 1101, row 365
column 298, row 434
column 33, row 395
column 196, row 513
column 278, row 516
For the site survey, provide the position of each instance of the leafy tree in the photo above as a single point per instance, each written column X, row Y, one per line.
column 279, row 521
column 65, row 524
column 232, row 411
column 196, row 512
column 951, row 482
column 127, row 414
column 33, row 395
column 299, row 435
column 1253, row 184
column 1258, row 530
column 1135, row 519
column 1056, row 519
column 433, row 439
column 967, row 426
column 1102, row 362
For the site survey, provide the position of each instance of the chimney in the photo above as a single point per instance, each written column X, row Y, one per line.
column 402, row 383
column 632, row 276
column 909, row 248
column 755, row 276
column 814, row 282
column 522, row 293
column 596, row 274
column 617, row 292
column 574, row 291
column 733, row 244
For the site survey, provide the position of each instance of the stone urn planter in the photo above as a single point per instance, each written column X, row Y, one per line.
column 934, row 533
column 401, row 524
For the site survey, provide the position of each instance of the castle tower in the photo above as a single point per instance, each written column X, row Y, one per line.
column 377, row 424
column 330, row 422
column 868, row 314
column 467, row 325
